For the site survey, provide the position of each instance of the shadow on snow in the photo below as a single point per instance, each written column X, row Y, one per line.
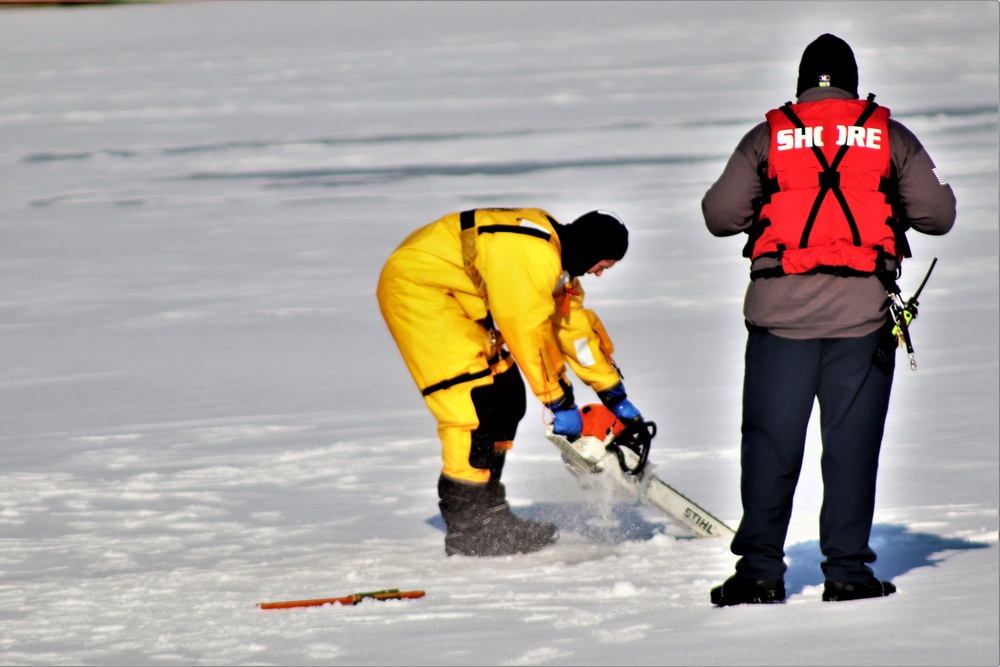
column 898, row 549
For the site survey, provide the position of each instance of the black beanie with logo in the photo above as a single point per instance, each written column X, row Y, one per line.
column 590, row 239
column 828, row 61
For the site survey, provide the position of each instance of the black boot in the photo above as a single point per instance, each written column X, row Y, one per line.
column 500, row 512
column 742, row 590
column 837, row 591
column 480, row 522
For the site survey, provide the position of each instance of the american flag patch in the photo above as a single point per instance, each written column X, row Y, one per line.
column 939, row 176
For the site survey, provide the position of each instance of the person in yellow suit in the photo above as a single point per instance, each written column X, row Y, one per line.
column 472, row 298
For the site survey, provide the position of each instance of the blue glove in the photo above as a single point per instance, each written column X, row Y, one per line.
column 615, row 400
column 566, row 418
column 567, row 421
column 627, row 412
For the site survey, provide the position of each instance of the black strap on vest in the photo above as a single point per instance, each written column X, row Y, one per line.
column 829, row 178
column 899, row 222
column 458, row 379
column 527, row 231
column 465, row 377
column 467, row 220
column 768, row 188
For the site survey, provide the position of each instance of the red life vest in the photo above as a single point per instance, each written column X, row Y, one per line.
column 825, row 206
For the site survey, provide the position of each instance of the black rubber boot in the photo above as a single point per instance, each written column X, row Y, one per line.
column 500, row 513
column 480, row 522
column 837, row 591
column 742, row 590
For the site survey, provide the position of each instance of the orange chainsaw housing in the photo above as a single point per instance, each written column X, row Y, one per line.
column 600, row 422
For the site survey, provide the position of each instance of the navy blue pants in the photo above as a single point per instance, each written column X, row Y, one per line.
column 783, row 378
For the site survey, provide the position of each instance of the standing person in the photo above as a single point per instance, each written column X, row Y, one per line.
column 469, row 299
column 825, row 190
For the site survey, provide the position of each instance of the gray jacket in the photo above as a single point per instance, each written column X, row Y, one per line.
column 822, row 305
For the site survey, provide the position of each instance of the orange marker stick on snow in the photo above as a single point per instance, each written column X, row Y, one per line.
column 390, row 594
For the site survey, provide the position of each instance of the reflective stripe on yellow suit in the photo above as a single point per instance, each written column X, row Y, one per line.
column 433, row 310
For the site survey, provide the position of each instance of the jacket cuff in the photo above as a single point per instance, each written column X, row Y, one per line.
column 567, row 402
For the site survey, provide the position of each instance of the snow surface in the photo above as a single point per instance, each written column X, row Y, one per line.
column 202, row 409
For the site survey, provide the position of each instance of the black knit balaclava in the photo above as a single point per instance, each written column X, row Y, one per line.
column 592, row 238
column 828, row 61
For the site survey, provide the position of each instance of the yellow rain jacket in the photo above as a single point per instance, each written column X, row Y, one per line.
column 457, row 300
